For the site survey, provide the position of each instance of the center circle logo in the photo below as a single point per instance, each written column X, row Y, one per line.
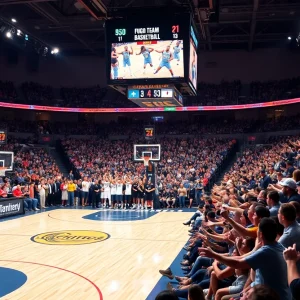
column 70, row 237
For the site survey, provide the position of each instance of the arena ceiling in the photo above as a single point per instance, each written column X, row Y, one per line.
column 229, row 24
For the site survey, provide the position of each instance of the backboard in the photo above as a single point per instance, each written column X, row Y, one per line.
column 6, row 162
column 150, row 151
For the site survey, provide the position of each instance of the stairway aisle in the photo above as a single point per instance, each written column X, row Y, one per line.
column 229, row 164
column 59, row 161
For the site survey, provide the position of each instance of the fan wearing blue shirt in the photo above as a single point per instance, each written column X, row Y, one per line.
column 265, row 180
column 267, row 262
column 273, row 203
column 291, row 235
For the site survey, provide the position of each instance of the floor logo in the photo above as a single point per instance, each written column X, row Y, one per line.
column 70, row 237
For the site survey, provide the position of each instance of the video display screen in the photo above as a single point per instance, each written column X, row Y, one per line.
column 147, row 59
column 193, row 64
column 147, row 48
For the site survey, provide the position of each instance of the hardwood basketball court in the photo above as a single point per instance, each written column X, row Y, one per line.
column 88, row 254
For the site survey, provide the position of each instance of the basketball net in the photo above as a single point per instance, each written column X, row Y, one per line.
column 2, row 171
column 146, row 161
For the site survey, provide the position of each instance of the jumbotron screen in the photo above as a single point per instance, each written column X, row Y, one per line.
column 193, row 59
column 193, row 64
column 142, row 48
column 147, row 59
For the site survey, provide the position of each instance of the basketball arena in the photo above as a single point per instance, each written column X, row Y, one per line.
column 149, row 150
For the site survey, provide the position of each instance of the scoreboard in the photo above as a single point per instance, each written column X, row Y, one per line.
column 3, row 136
column 149, row 132
column 135, row 32
column 154, row 95
column 147, row 49
column 153, row 47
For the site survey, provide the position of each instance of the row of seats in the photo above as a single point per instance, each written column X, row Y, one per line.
column 225, row 93
column 196, row 127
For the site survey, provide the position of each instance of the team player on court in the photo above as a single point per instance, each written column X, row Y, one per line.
column 118, row 193
column 167, row 55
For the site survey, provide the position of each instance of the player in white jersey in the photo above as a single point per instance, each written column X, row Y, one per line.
column 106, row 192
column 113, row 193
column 128, row 185
column 119, row 193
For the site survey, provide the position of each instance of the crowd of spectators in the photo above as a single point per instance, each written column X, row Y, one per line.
column 274, row 90
column 34, row 176
column 36, row 93
column 135, row 128
column 225, row 93
column 116, row 157
column 81, row 97
column 8, row 93
column 278, row 124
column 219, row 94
column 245, row 235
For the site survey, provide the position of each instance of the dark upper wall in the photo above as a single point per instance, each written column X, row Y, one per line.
column 213, row 67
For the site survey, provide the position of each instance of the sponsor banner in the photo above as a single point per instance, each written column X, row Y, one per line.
column 11, row 207
column 156, row 104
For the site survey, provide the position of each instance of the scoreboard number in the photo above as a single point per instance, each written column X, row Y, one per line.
column 149, row 132
column 175, row 28
column 142, row 95
column 149, row 94
column 156, row 93
column 2, row 137
column 175, row 31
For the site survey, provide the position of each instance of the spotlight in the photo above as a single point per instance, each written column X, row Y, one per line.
column 55, row 51
column 289, row 38
column 45, row 51
column 14, row 20
column 8, row 34
column 19, row 32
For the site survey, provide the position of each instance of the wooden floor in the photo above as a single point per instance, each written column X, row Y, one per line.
column 123, row 267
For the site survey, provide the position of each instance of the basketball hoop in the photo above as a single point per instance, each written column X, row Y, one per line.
column 146, row 161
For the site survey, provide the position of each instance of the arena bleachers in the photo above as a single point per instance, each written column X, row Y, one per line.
column 225, row 93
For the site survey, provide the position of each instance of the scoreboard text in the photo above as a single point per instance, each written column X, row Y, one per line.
column 149, row 133
column 152, row 29
column 3, row 137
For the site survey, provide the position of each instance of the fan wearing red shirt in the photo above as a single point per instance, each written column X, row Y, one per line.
column 3, row 193
column 17, row 192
